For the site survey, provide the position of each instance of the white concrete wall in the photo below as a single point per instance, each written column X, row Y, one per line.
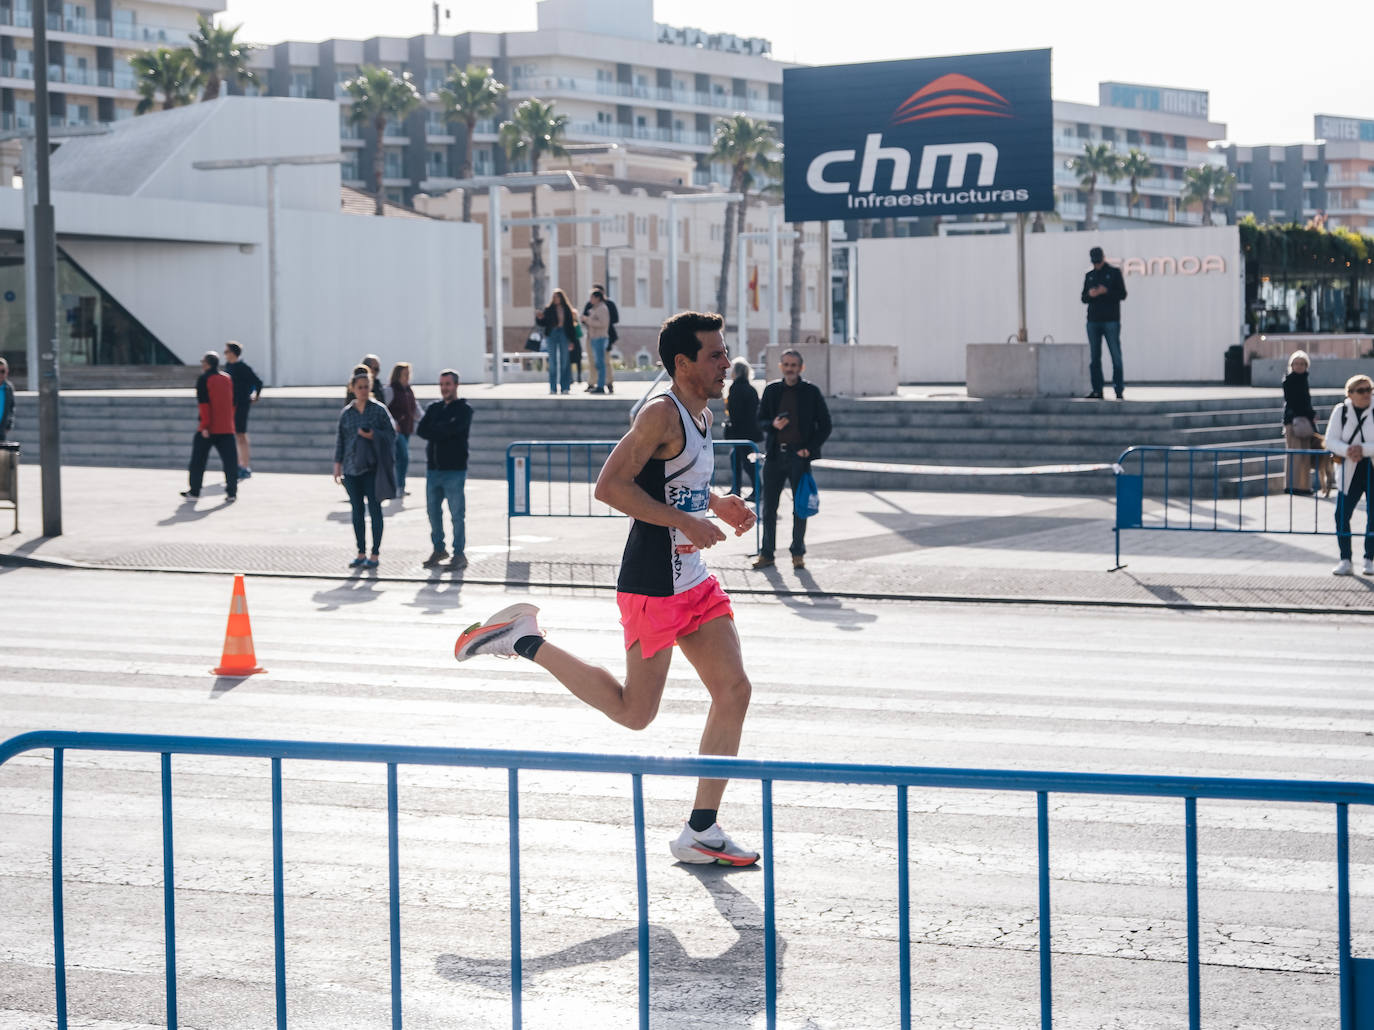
column 931, row 296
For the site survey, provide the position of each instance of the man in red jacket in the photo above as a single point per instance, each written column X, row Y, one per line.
column 215, row 397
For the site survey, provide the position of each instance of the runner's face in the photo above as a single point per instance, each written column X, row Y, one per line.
column 712, row 365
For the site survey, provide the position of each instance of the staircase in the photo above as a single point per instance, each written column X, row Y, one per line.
column 296, row 434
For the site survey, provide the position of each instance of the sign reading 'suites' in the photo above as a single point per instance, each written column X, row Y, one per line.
column 940, row 136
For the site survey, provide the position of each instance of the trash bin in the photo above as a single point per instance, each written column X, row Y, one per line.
column 1237, row 372
column 9, row 479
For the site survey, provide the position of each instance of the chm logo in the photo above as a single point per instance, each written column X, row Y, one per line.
column 949, row 96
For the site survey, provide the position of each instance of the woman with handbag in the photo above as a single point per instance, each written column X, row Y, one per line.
column 364, row 452
column 557, row 322
column 1299, row 424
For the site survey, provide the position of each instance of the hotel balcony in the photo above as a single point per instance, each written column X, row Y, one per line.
column 555, row 85
column 648, row 134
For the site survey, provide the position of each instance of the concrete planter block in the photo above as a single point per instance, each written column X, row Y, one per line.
column 1324, row 372
column 1027, row 369
column 842, row 370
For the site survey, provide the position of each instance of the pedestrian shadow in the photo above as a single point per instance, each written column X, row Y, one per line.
column 439, row 596
column 733, row 979
column 189, row 511
column 822, row 608
column 358, row 590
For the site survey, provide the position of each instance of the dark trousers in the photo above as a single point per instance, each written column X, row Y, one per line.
column 228, row 450
column 1112, row 331
column 1346, row 503
column 785, row 468
column 742, row 470
column 363, row 489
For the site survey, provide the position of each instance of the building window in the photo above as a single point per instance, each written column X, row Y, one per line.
column 302, row 83
column 436, row 163
column 482, row 162
column 348, row 168
column 641, row 290
column 394, row 164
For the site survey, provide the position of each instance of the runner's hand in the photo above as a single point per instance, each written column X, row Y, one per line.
column 702, row 532
column 734, row 513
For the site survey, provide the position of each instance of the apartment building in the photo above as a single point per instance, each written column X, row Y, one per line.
column 89, row 46
column 1171, row 126
column 617, row 74
column 629, row 251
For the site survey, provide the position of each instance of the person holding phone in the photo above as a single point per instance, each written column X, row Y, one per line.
column 365, row 462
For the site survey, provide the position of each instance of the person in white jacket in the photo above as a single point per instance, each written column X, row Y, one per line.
column 1350, row 437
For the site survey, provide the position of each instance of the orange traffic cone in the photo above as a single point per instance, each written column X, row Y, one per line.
column 238, row 658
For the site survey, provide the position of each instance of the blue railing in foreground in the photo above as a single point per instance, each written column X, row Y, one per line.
column 1217, row 490
column 1356, row 975
column 557, row 478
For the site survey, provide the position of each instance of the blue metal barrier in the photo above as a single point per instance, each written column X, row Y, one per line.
column 1356, row 975
column 1217, row 490
column 557, row 478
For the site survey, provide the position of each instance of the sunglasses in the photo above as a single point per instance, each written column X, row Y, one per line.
column 1362, row 389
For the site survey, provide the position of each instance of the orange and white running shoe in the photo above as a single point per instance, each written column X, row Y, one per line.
column 709, row 846
column 499, row 633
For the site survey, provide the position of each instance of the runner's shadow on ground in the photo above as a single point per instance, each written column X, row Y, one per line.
column 354, row 591
column 730, row 985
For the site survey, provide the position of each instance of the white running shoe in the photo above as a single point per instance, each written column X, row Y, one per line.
column 1343, row 568
column 711, row 846
column 499, row 633
column 1369, row 567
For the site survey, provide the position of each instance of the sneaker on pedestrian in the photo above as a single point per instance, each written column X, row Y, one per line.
column 436, row 557
column 499, row 633
column 189, row 495
column 231, row 498
column 372, row 562
column 458, row 561
column 711, row 846
column 358, row 562
column 1095, row 395
column 245, row 473
column 1343, row 568
column 1368, row 567
column 762, row 562
column 798, row 561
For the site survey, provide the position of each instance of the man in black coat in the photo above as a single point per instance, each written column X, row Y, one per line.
column 445, row 426
column 247, row 390
column 1104, row 289
column 796, row 423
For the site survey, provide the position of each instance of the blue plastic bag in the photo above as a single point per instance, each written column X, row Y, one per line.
column 806, row 499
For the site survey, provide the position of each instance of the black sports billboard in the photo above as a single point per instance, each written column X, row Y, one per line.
column 936, row 136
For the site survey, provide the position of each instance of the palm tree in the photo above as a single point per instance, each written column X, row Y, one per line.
column 1097, row 159
column 469, row 95
column 219, row 57
column 169, row 72
column 1207, row 185
column 534, row 130
column 1136, row 165
column 379, row 96
column 748, row 145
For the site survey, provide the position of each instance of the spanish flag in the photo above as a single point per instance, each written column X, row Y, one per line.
column 754, row 288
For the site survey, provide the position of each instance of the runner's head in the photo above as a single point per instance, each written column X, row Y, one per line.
column 691, row 346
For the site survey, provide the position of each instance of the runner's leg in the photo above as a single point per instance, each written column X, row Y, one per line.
column 714, row 651
column 633, row 704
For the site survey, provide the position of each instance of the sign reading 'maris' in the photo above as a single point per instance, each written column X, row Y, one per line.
column 939, row 136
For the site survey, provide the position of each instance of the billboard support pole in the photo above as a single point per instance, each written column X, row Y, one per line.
column 1021, row 335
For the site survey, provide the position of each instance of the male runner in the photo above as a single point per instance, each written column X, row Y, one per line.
column 660, row 475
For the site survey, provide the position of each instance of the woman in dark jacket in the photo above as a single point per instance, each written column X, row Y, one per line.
column 557, row 322
column 364, row 448
column 741, row 423
column 404, row 412
column 1299, row 423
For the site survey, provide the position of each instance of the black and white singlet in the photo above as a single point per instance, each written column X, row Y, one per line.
column 660, row 561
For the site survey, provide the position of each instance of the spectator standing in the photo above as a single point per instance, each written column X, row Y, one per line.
column 795, row 422
column 1349, row 436
column 1299, row 423
column 596, row 316
column 557, row 322
column 742, row 423
column 365, row 462
column 1103, row 291
column 374, row 365
column 445, row 427
column 611, row 337
column 6, row 400
column 575, row 351
column 215, row 428
column 247, row 390
column 404, row 412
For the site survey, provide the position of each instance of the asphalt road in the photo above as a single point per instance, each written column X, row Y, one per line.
column 883, row 682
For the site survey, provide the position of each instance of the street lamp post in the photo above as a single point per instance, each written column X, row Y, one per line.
column 686, row 198
column 774, row 237
column 271, row 164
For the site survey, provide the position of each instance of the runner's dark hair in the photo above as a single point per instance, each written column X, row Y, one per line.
column 679, row 336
